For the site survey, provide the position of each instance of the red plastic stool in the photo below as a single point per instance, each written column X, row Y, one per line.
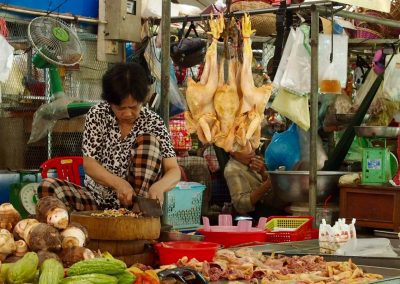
column 67, row 168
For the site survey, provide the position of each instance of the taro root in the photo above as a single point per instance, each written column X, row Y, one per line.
column 72, row 255
column 52, row 211
column 44, row 254
column 23, row 227
column 43, row 237
column 75, row 235
column 7, row 244
column 20, row 248
column 9, row 217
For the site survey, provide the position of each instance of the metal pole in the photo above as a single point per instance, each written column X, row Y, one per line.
column 165, row 59
column 250, row 12
column 312, row 197
column 361, row 17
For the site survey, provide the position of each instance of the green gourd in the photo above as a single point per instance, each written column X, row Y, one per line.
column 97, row 265
column 51, row 271
column 94, row 278
column 24, row 269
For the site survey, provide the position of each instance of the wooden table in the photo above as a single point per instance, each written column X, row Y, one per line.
column 373, row 206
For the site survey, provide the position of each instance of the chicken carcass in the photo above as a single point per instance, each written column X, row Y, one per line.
column 227, row 104
column 255, row 98
column 199, row 95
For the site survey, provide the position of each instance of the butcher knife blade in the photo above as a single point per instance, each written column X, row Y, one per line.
column 149, row 207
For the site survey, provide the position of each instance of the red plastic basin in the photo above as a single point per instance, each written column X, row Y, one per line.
column 171, row 252
column 228, row 238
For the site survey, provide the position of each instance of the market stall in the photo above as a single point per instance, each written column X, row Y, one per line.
column 174, row 242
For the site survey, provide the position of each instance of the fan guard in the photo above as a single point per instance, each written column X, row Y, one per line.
column 55, row 41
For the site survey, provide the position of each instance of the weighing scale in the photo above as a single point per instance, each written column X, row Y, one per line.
column 23, row 195
column 379, row 164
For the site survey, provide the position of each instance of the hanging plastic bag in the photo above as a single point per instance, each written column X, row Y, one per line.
column 304, row 141
column 329, row 83
column 285, row 57
column 293, row 107
column 297, row 77
column 47, row 115
column 338, row 67
column 391, row 83
column 6, row 58
column 284, row 149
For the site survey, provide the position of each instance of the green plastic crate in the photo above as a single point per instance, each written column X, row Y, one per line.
column 182, row 205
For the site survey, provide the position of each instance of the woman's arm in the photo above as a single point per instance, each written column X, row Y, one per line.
column 102, row 176
column 171, row 176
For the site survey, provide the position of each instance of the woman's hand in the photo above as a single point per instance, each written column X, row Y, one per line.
column 257, row 164
column 155, row 192
column 124, row 192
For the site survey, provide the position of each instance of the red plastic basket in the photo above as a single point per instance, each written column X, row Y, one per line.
column 229, row 239
column 171, row 252
column 299, row 228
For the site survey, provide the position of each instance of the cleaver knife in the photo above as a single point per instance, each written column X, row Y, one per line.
column 149, row 207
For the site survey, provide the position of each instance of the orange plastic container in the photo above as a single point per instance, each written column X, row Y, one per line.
column 171, row 252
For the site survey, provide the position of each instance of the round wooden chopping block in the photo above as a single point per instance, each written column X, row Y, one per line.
column 118, row 247
column 147, row 258
column 123, row 228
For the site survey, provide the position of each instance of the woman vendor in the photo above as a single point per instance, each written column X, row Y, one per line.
column 127, row 149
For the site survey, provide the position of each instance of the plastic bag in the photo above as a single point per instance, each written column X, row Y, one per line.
column 47, row 115
column 6, row 58
column 284, row 149
column 329, row 82
column 285, row 57
column 297, row 77
column 304, row 141
column 152, row 54
column 391, row 83
column 340, row 55
column 376, row 247
column 153, row 9
column 293, row 107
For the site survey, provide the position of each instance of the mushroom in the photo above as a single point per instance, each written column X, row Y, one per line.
column 52, row 211
column 72, row 255
column 22, row 228
column 43, row 237
column 9, row 216
column 7, row 244
column 75, row 235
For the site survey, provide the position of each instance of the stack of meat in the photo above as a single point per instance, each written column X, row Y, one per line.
column 253, row 266
column 228, row 114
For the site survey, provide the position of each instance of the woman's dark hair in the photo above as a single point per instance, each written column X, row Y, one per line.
column 123, row 80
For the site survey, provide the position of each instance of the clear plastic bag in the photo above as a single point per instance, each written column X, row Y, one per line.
column 391, row 83
column 297, row 77
column 47, row 115
column 375, row 247
column 304, row 140
column 6, row 58
column 329, row 83
column 338, row 67
column 285, row 57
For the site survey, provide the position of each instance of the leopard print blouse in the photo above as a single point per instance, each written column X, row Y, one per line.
column 102, row 142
